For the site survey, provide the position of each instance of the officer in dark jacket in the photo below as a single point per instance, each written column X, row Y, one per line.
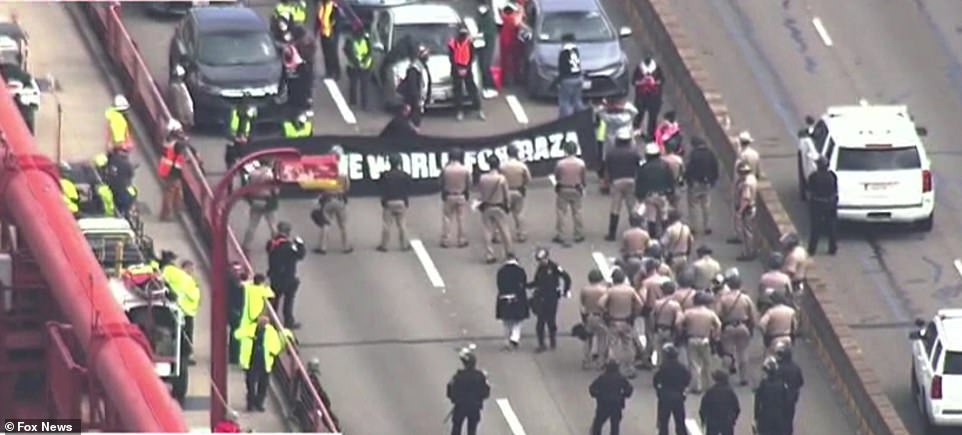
column 283, row 254
column 551, row 282
column 620, row 166
column 791, row 374
column 609, row 390
column 670, row 382
column 701, row 175
column 719, row 407
column 771, row 401
column 654, row 183
column 395, row 187
column 467, row 390
column 822, row 206
column 235, row 306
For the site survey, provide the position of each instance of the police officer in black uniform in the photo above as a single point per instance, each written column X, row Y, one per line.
column 467, row 390
column 719, row 408
column 551, row 282
column 823, row 206
column 283, row 254
column 609, row 390
column 791, row 374
column 620, row 164
column 771, row 401
column 654, row 178
column 670, row 381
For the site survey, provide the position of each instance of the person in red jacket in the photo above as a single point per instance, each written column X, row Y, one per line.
column 509, row 45
column 228, row 424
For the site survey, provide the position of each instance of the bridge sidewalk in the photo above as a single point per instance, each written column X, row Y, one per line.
column 58, row 48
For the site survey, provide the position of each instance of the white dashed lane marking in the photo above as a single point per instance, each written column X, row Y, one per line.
column 517, row 109
column 340, row 102
column 822, row 31
column 509, row 416
column 432, row 271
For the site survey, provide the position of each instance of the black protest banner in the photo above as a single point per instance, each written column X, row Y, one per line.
column 366, row 157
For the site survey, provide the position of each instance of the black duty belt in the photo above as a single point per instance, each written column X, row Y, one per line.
column 626, row 319
column 453, row 193
column 576, row 186
column 663, row 327
column 733, row 323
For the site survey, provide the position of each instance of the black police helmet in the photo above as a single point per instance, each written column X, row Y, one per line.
column 686, row 278
column 456, row 154
column 618, row 276
column 595, row 276
column 493, row 161
column 776, row 261
column 394, row 160
column 668, row 288
column 784, row 353
column 669, row 351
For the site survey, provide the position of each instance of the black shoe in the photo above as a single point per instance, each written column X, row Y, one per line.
column 832, row 250
column 612, row 227
column 381, row 249
column 733, row 241
column 540, row 348
column 260, row 408
column 294, row 325
column 579, row 239
column 553, row 343
column 320, row 251
column 708, row 231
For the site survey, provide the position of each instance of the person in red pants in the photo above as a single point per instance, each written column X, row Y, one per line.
column 509, row 44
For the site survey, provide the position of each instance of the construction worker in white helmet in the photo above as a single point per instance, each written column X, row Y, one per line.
column 118, row 128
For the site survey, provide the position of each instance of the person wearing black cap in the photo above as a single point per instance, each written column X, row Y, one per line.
column 791, row 373
column 467, row 390
column 771, row 401
column 511, row 307
column 670, row 381
column 551, row 282
column 493, row 194
column 610, row 389
column 395, row 188
column 701, row 175
column 570, row 79
column 283, row 254
column 719, row 408
column 653, row 185
column 462, row 56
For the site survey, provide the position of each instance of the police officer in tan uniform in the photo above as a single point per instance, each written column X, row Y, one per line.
column 778, row 325
column 677, row 166
column 738, row 317
column 774, row 280
column 666, row 315
column 685, row 295
column 621, row 304
column 700, row 327
column 621, row 162
column 747, row 154
column 455, row 185
column 593, row 318
column 677, row 241
column 706, row 267
column 634, row 240
column 333, row 205
column 746, row 189
column 519, row 176
column 493, row 194
column 570, row 175
column 797, row 261
column 655, row 252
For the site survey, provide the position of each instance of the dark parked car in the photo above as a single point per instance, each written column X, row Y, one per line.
column 171, row 8
column 602, row 58
column 227, row 52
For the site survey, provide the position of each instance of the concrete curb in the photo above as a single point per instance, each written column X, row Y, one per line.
column 700, row 101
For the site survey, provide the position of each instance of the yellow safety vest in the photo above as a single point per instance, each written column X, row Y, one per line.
column 273, row 345
column 235, row 121
column 99, row 161
column 185, row 287
column 116, row 125
column 107, row 199
column 254, row 298
column 296, row 11
column 325, row 13
column 600, row 131
column 70, row 195
column 362, row 53
column 291, row 131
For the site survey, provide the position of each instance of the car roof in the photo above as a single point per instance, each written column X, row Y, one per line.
column 859, row 126
column 102, row 225
column 218, row 19
column 951, row 328
column 424, row 13
column 11, row 29
column 568, row 5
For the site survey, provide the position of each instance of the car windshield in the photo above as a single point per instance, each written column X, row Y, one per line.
column 878, row 159
column 236, row 49
column 434, row 37
column 953, row 363
column 586, row 26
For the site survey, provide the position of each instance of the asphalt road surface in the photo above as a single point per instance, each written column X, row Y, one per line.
column 778, row 61
column 386, row 326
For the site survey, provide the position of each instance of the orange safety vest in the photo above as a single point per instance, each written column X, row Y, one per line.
column 324, row 18
column 460, row 51
column 170, row 160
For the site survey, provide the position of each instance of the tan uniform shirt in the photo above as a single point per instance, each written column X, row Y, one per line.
column 778, row 321
column 775, row 280
column 749, row 154
column 571, row 172
column 675, row 164
column 591, row 298
column 677, row 239
column 746, row 191
column 666, row 313
column 652, row 286
column 796, row 263
column 517, row 174
column 634, row 241
column 735, row 307
column 705, row 270
column 700, row 322
column 455, row 178
column 621, row 302
column 493, row 189
column 685, row 297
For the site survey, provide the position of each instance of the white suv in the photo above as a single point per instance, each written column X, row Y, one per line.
column 937, row 368
column 884, row 174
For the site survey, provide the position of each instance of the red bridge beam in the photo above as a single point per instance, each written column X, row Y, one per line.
column 115, row 356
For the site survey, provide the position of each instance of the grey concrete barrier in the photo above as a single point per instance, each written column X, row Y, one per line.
column 699, row 101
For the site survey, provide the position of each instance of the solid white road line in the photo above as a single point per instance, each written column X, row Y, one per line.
column 603, row 265
column 958, row 265
column 513, row 422
column 517, row 109
column 822, row 32
column 339, row 101
column 693, row 427
column 433, row 275
column 553, row 180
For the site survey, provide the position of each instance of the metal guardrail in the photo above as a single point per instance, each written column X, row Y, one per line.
column 145, row 98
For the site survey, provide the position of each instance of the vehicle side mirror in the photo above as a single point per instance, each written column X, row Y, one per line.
column 919, row 323
column 915, row 335
column 624, row 32
column 922, row 131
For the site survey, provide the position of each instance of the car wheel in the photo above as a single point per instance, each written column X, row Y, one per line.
column 928, row 223
column 802, row 183
column 530, row 83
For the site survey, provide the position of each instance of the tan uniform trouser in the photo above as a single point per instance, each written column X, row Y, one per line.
column 494, row 223
column 656, row 210
column 622, row 345
column 516, row 208
column 622, row 192
column 173, row 198
column 699, row 362
column 394, row 213
column 678, row 263
column 745, row 229
column 454, row 209
column 776, row 341
column 597, row 338
column 336, row 212
column 659, row 337
column 256, row 215
column 735, row 341
column 699, row 202
column 568, row 198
